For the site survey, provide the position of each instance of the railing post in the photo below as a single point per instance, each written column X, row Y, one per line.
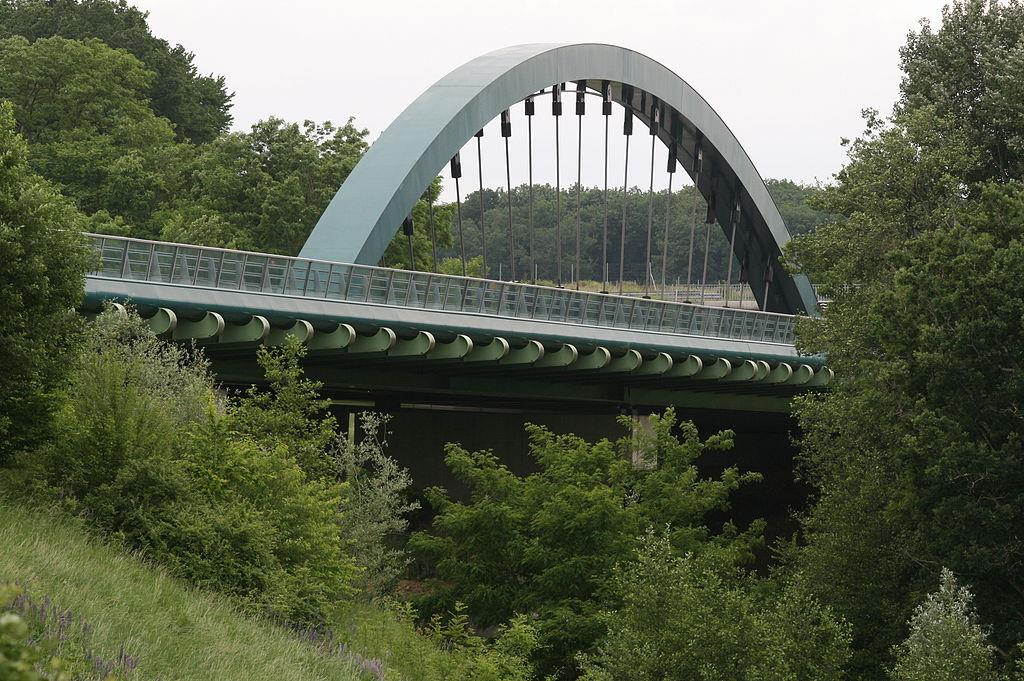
column 241, row 272
column 220, row 270
column 149, row 265
column 174, row 265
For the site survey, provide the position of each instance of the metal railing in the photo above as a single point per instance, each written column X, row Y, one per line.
column 218, row 268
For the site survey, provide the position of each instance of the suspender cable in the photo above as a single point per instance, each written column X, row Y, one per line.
column 556, row 111
column 480, row 200
column 581, row 109
column 767, row 285
column 433, row 236
column 506, row 132
column 655, row 121
column 743, row 280
column 708, row 221
column 456, row 168
column 627, row 131
column 529, row 106
column 407, row 229
column 735, row 218
column 606, row 111
column 671, row 169
column 698, row 163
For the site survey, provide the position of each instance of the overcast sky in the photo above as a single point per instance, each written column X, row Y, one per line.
column 790, row 77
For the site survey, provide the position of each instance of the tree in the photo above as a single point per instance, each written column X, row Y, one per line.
column 199, row 107
column 546, row 544
column 263, row 190
column 42, row 262
column 916, row 451
column 226, row 494
column 83, row 108
column 376, row 505
column 945, row 643
column 425, row 212
column 698, row 616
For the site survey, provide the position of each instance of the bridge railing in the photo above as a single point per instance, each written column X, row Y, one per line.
column 223, row 269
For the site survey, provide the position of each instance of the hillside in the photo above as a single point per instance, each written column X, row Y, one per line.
column 168, row 629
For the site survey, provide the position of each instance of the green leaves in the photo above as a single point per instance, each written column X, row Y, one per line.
column 547, row 543
column 42, row 263
column 916, row 451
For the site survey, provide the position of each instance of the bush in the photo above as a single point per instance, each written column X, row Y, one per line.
column 215, row 490
column 20, row 657
column 376, row 505
column 43, row 259
column 546, row 544
column 699, row 617
column 945, row 643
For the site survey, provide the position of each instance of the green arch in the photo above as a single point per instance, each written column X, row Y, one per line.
column 369, row 208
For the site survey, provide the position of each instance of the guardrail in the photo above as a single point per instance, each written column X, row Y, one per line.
column 224, row 269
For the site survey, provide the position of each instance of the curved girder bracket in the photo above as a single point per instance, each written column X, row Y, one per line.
column 380, row 192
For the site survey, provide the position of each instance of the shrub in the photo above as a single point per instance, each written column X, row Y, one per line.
column 945, row 643
column 215, row 490
column 698, row 616
column 546, row 543
column 376, row 505
column 19, row 656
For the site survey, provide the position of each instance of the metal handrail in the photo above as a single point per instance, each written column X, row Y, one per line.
column 655, row 315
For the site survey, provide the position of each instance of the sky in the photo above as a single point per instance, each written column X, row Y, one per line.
column 789, row 77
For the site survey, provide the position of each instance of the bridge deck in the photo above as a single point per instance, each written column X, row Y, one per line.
column 228, row 299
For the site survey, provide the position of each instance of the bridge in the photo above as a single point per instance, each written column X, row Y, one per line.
column 390, row 336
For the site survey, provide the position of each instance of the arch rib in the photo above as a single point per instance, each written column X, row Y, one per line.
column 380, row 192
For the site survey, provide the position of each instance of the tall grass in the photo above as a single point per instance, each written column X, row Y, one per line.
column 171, row 630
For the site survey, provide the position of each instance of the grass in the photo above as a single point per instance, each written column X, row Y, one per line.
column 171, row 630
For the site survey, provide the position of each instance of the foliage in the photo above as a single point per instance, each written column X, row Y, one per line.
column 545, row 544
column 83, row 108
column 916, row 451
column 198, row 106
column 225, row 495
column 289, row 413
column 946, row 643
column 967, row 70
column 265, row 189
column 504, row 660
column 397, row 253
column 376, row 505
column 171, row 629
column 795, row 203
column 42, row 262
column 453, row 266
column 700, row 617
column 687, row 211
column 19, row 656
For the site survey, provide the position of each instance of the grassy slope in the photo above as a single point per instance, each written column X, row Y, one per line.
column 175, row 632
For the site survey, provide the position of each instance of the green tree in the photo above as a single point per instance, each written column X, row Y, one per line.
column 794, row 203
column 916, row 451
column 946, row 643
column 42, row 263
column 199, row 107
column 263, row 190
column 425, row 212
column 546, row 544
column 684, row 617
column 216, row 491
column 376, row 505
column 83, row 108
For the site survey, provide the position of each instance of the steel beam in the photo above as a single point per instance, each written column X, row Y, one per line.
column 209, row 327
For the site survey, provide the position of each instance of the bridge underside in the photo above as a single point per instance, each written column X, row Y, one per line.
column 392, row 363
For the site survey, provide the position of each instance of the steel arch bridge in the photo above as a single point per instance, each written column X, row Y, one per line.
column 433, row 338
column 367, row 211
